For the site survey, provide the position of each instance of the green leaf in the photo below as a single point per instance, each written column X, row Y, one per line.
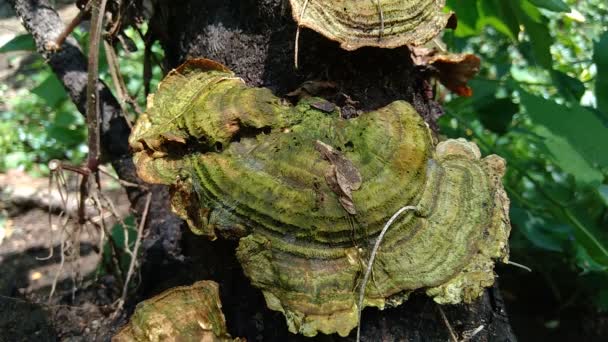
column 51, row 91
column 118, row 237
column 65, row 135
column 572, row 89
column 603, row 191
column 499, row 14
column 586, row 261
column 577, row 139
column 552, row 5
column 600, row 58
column 24, row 42
column 64, row 118
column 497, row 114
column 539, row 232
column 467, row 18
column 538, row 30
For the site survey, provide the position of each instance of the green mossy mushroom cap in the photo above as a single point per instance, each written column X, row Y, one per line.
column 383, row 23
column 307, row 194
column 184, row 313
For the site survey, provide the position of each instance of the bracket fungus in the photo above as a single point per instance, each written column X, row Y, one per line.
column 185, row 313
column 308, row 192
column 380, row 23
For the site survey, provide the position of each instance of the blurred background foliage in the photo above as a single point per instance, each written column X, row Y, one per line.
column 540, row 101
column 38, row 121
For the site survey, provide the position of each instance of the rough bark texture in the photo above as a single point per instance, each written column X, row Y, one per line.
column 256, row 40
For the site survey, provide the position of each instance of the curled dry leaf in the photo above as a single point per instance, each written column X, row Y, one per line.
column 312, row 88
column 256, row 168
column 453, row 70
column 342, row 176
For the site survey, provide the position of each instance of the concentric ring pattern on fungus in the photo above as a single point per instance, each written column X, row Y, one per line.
column 242, row 163
column 383, row 23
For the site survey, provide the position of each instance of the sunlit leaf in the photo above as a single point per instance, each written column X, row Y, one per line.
column 51, row 91
column 538, row 30
column 499, row 14
column 64, row 119
column 552, row 5
column 467, row 17
column 23, row 42
column 65, row 135
column 577, row 139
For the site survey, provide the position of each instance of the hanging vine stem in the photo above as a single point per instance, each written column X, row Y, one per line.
column 381, row 20
column 372, row 258
column 296, row 47
column 133, row 262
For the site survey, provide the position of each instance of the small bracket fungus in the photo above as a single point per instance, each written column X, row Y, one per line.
column 307, row 193
column 380, row 23
column 185, row 313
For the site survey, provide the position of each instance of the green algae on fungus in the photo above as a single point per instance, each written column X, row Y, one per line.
column 380, row 23
column 307, row 194
column 185, row 313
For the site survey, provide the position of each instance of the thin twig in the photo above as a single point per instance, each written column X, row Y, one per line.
column 140, row 230
column 61, row 263
column 297, row 43
column 468, row 335
column 381, row 21
column 370, row 263
column 119, row 83
column 93, row 117
column 56, row 44
column 513, row 263
column 124, row 183
column 447, row 324
column 49, row 193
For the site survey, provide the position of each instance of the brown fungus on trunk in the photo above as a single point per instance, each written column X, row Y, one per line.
column 267, row 185
column 184, row 313
column 380, row 23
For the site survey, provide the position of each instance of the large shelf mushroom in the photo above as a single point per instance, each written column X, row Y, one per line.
column 380, row 23
column 308, row 192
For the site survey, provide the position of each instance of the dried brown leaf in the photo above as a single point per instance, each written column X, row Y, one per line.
column 453, row 70
column 342, row 177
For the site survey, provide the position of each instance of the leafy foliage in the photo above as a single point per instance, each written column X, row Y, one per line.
column 540, row 102
column 38, row 122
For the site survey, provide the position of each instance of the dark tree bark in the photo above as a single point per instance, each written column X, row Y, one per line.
column 256, row 40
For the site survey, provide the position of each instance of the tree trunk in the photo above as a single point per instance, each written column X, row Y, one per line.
column 256, row 40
